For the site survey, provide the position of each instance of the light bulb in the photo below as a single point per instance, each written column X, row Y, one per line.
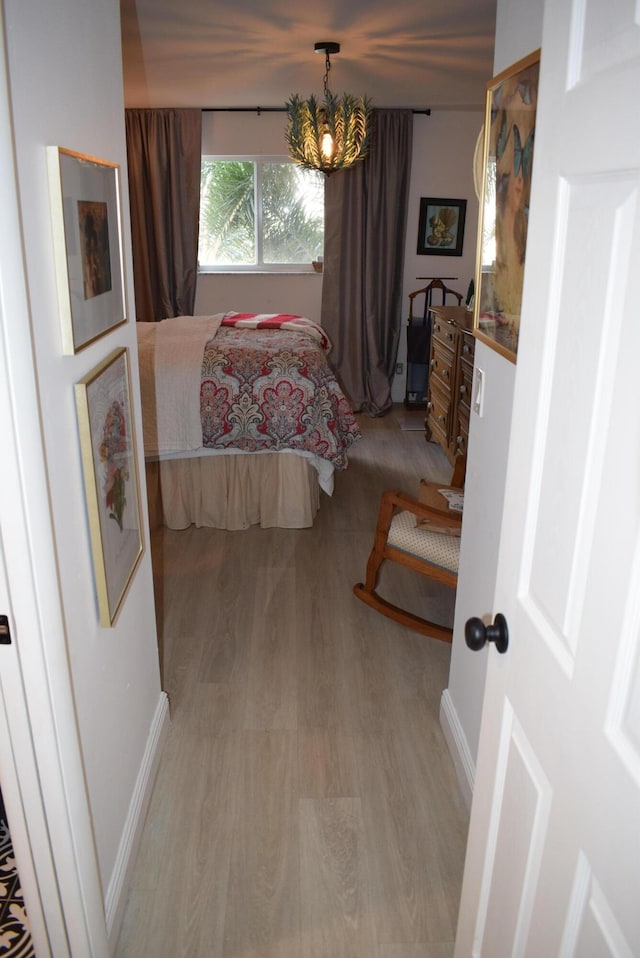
column 327, row 145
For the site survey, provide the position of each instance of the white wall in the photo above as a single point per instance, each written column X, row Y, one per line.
column 299, row 293
column 65, row 85
column 518, row 32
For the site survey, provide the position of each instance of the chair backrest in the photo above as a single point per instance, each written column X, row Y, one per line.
column 438, row 288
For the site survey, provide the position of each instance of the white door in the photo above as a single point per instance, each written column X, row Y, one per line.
column 553, row 861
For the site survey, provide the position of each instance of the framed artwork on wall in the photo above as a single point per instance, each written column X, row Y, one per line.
column 441, row 227
column 107, row 442
column 505, row 175
column 87, row 242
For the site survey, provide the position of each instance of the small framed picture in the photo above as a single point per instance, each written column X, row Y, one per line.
column 87, row 240
column 107, row 442
column 441, row 229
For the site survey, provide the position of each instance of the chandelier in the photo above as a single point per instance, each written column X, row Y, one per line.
column 332, row 134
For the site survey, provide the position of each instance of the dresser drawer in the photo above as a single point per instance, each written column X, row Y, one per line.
column 461, row 437
column 465, row 379
column 444, row 333
column 468, row 347
column 442, row 365
column 438, row 414
column 465, row 382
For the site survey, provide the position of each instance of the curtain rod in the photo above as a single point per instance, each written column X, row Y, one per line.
column 268, row 109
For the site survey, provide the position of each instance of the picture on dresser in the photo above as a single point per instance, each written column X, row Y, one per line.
column 507, row 163
column 441, row 227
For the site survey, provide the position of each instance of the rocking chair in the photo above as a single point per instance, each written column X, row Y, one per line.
column 423, row 536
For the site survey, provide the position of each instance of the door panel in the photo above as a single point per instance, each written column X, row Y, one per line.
column 591, row 927
column 520, row 816
column 553, row 862
column 623, row 720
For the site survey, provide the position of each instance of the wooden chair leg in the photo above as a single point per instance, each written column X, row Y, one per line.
column 376, row 557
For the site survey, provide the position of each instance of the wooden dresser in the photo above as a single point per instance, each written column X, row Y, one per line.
column 450, row 379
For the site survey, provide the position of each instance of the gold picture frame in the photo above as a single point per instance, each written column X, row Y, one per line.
column 509, row 133
column 87, row 242
column 110, row 467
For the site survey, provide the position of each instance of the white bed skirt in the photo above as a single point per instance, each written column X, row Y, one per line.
column 233, row 492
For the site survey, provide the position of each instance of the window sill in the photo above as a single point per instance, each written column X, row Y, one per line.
column 258, row 272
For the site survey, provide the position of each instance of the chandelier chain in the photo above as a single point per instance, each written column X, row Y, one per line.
column 327, row 67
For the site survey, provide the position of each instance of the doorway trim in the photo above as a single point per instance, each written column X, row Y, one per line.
column 40, row 758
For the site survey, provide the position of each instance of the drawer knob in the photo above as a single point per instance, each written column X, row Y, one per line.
column 445, row 373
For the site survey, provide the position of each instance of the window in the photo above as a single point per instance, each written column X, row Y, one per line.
column 259, row 214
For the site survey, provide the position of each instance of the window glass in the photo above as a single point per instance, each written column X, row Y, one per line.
column 259, row 214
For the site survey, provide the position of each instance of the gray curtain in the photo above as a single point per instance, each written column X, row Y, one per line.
column 365, row 226
column 163, row 153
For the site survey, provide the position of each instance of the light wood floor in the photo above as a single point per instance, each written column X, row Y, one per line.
column 306, row 804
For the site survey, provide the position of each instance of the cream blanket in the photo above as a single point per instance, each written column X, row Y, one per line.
column 170, row 360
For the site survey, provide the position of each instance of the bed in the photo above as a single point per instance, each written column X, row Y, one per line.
column 244, row 421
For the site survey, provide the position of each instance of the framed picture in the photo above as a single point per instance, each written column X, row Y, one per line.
column 107, row 441
column 87, row 241
column 441, row 228
column 507, row 162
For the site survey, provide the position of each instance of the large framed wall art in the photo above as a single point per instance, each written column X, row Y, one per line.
column 509, row 134
column 107, row 441
column 87, row 240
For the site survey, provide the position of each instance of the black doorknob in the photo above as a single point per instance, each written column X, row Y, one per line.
column 477, row 634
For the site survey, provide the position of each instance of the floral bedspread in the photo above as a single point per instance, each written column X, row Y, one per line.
column 272, row 389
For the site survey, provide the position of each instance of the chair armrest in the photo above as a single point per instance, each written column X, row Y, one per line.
column 392, row 501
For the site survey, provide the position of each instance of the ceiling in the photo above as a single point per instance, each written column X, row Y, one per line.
column 421, row 54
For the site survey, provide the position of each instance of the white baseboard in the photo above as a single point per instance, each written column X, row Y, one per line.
column 458, row 747
column 125, row 859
